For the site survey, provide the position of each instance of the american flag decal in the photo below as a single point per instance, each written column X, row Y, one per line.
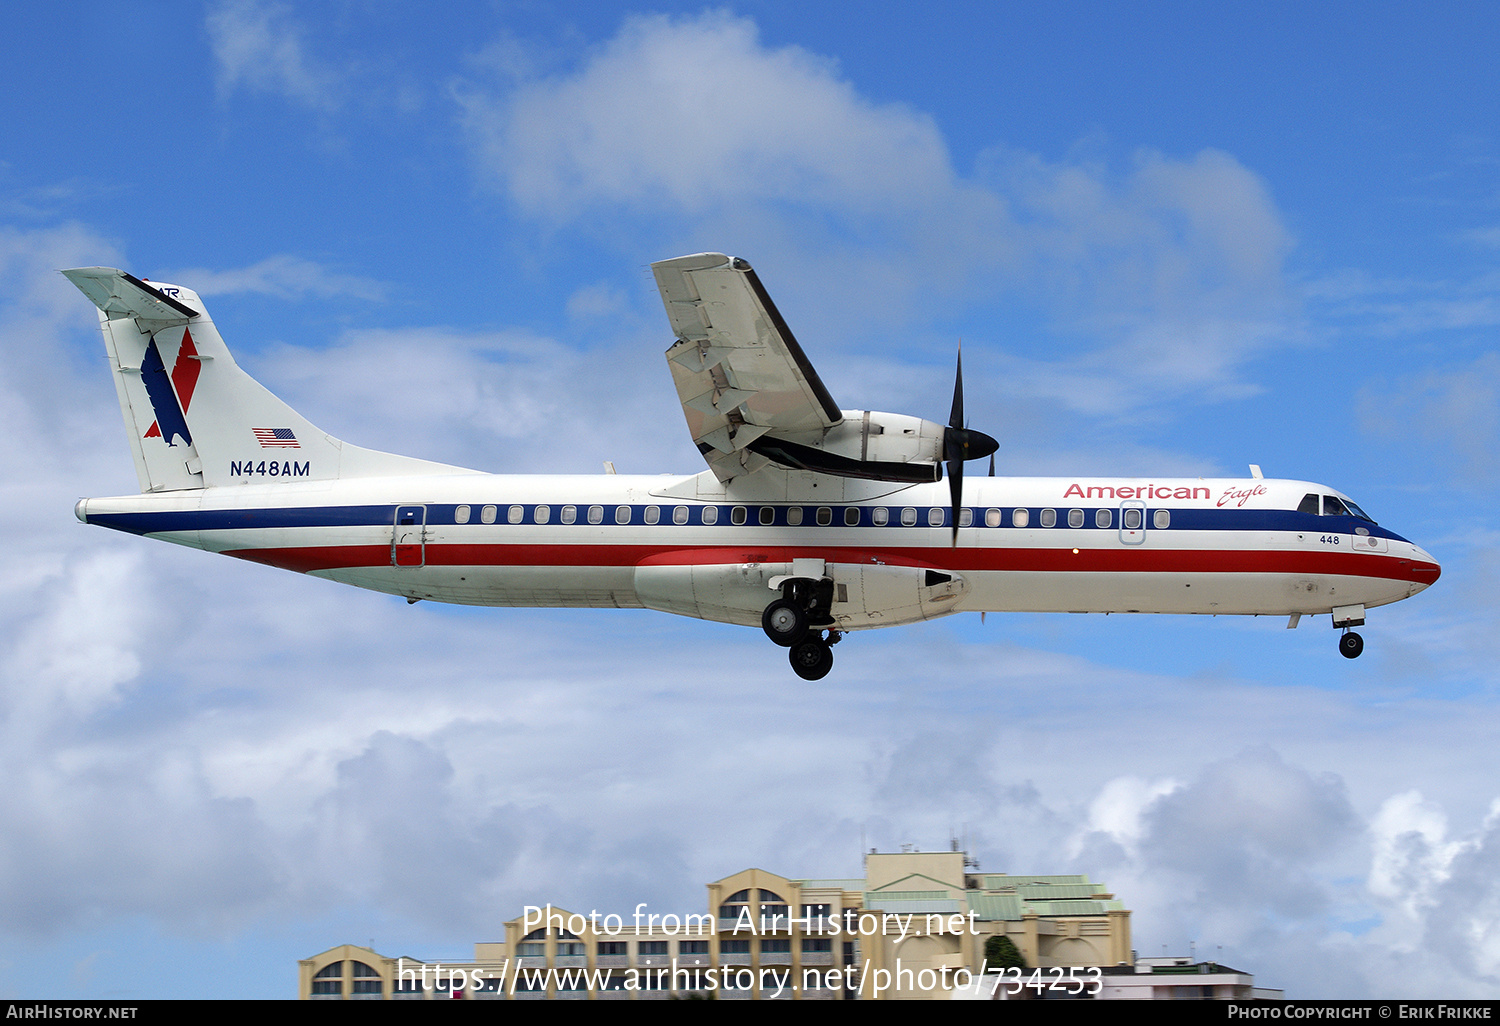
column 276, row 438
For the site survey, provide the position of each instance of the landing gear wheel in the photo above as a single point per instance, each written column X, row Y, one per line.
column 812, row 659
column 784, row 623
column 1351, row 645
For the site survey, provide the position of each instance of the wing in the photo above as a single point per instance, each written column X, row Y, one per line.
column 738, row 369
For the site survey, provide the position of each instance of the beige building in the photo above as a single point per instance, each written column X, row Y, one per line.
column 914, row 926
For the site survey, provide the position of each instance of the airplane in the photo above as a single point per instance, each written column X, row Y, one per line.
column 811, row 521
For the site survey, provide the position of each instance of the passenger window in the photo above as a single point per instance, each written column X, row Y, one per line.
column 461, row 515
column 542, row 514
column 794, row 516
column 881, row 516
column 1309, row 504
column 653, row 514
column 1020, row 517
column 569, row 514
column 487, row 515
column 622, row 514
column 767, row 516
column 1132, row 519
column 908, row 517
column 992, row 518
column 1162, row 518
column 851, row 516
column 1102, row 518
column 596, row 514
column 966, row 517
column 679, row 515
column 1049, row 518
column 1332, row 507
column 738, row 516
column 710, row 514
column 514, row 515
column 825, row 516
column 1075, row 518
column 935, row 516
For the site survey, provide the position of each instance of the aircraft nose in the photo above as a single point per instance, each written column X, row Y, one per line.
column 1424, row 569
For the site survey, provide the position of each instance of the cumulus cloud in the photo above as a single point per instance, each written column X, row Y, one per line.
column 691, row 130
column 283, row 276
column 261, row 46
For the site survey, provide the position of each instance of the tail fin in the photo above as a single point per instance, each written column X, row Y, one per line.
column 195, row 419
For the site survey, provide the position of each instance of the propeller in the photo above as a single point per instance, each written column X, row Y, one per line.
column 961, row 443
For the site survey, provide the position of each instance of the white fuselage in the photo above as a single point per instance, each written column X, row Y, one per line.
column 686, row 545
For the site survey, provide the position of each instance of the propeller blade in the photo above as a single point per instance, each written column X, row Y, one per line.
column 961, row 444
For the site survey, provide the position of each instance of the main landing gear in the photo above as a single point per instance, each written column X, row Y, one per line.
column 799, row 621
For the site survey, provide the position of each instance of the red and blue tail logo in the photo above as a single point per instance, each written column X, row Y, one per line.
column 165, row 393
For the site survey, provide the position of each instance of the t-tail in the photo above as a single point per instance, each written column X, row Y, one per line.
column 194, row 418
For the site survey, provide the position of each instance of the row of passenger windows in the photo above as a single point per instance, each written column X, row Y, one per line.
column 880, row 516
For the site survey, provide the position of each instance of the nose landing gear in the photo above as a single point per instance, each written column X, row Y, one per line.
column 1351, row 645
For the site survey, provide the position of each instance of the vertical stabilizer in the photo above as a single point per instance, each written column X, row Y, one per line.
column 194, row 418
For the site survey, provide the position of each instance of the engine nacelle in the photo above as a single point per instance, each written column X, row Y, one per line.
column 865, row 444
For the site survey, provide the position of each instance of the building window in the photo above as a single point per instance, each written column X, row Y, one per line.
column 775, row 946
column 811, row 945
column 366, row 979
column 613, row 948
column 651, row 948
column 329, row 980
column 699, row 947
column 734, row 947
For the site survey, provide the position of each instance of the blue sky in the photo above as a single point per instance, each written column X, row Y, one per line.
column 1173, row 239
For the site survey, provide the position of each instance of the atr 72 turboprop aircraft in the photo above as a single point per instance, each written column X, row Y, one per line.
column 811, row 521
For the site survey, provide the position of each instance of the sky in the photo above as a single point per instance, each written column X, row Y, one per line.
column 1174, row 238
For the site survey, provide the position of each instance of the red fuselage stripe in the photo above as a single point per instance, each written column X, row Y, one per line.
column 1120, row 560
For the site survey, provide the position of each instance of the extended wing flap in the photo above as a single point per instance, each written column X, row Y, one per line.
column 738, row 370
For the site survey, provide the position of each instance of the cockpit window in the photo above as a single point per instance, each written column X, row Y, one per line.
column 1356, row 511
column 1309, row 504
column 1332, row 507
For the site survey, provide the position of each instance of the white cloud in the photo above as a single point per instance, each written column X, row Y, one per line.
column 261, row 46
column 283, row 276
column 691, row 131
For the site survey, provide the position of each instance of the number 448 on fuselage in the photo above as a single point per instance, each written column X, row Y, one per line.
column 811, row 521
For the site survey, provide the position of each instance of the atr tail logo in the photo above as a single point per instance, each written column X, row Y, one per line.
column 171, row 421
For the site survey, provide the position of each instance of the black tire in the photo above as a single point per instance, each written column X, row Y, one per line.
column 784, row 623
column 811, row 660
column 1351, row 645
